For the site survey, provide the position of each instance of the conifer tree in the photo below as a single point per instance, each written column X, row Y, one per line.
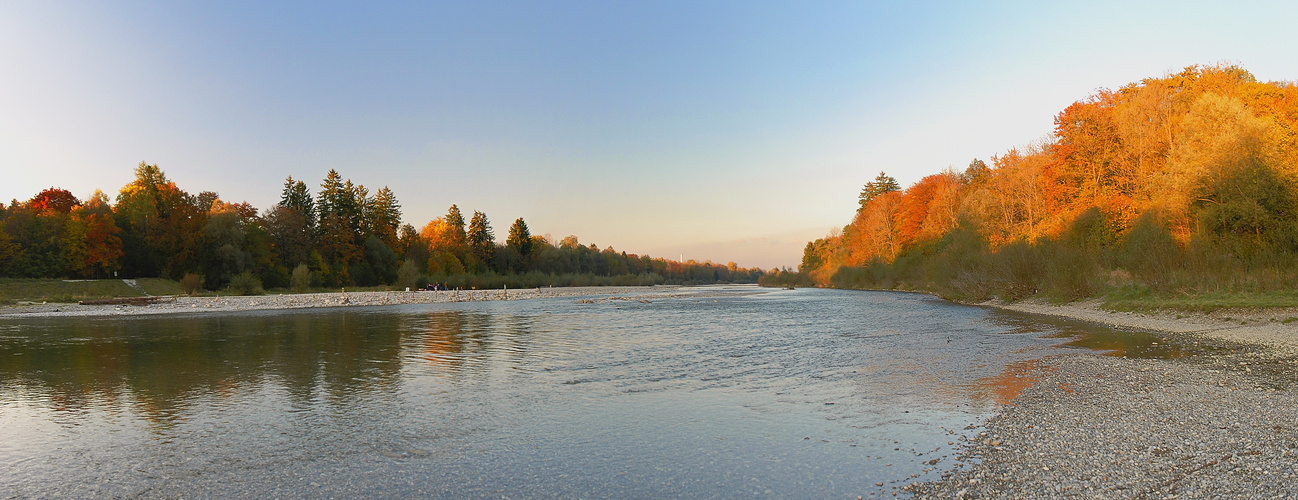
column 330, row 200
column 353, row 208
column 455, row 235
column 481, row 240
column 880, row 185
column 383, row 216
column 297, row 197
column 520, row 238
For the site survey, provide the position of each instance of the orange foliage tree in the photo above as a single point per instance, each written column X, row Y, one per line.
column 1164, row 145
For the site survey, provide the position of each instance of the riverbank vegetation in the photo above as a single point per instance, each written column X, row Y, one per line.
column 1172, row 192
column 341, row 236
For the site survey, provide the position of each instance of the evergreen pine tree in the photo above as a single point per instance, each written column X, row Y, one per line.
column 520, row 238
column 880, row 185
column 297, row 197
column 455, row 236
column 481, row 241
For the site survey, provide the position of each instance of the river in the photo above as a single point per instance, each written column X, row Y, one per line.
column 719, row 392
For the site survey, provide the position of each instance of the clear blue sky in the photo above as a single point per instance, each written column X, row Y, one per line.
column 723, row 131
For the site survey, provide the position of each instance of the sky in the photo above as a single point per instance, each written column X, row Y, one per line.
column 723, row 131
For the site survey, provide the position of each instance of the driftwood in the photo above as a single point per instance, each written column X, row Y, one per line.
column 122, row 301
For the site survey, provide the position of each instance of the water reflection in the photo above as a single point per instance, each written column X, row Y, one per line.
column 444, row 342
column 799, row 393
column 1003, row 387
column 160, row 365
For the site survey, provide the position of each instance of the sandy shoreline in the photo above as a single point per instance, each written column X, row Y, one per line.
column 184, row 304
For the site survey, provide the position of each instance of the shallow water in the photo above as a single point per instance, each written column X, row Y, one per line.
column 805, row 393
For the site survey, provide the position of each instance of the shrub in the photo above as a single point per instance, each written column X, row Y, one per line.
column 245, row 283
column 408, row 275
column 1017, row 267
column 1149, row 251
column 301, row 279
column 382, row 261
column 1071, row 272
column 190, row 283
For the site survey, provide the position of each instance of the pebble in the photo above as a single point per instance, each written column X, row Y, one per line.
column 1137, row 428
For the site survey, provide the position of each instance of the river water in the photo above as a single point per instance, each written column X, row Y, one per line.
column 720, row 392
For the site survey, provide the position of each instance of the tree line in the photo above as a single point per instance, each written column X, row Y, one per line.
column 1186, row 183
column 342, row 235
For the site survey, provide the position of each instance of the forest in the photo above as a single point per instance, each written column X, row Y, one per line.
column 1175, row 187
column 343, row 235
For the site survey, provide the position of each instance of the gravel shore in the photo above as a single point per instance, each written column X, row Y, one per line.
column 183, row 304
column 1103, row 427
column 1220, row 423
column 1275, row 328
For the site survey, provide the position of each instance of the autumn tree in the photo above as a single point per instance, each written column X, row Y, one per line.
column 38, row 230
column 446, row 239
column 976, row 173
column 1219, row 136
column 913, row 209
column 100, row 246
column 1205, row 157
column 876, row 228
column 54, row 201
column 205, row 200
column 434, row 233
column 161, row 225
column 944, row 209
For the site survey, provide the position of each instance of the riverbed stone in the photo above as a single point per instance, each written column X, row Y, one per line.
column 1106, row 427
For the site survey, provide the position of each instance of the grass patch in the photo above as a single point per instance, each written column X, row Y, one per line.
column 160, row 286
column 1142, row 299
column 47, row 290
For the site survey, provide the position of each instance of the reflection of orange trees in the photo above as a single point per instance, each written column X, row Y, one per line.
column 457, row 343
column 443, row 340
column 1208, row 153
column 1003, row 387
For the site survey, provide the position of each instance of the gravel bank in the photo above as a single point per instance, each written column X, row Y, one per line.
column 178, row 305
column 1212, row 426
column 1221, row 423
column 1257, row 326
